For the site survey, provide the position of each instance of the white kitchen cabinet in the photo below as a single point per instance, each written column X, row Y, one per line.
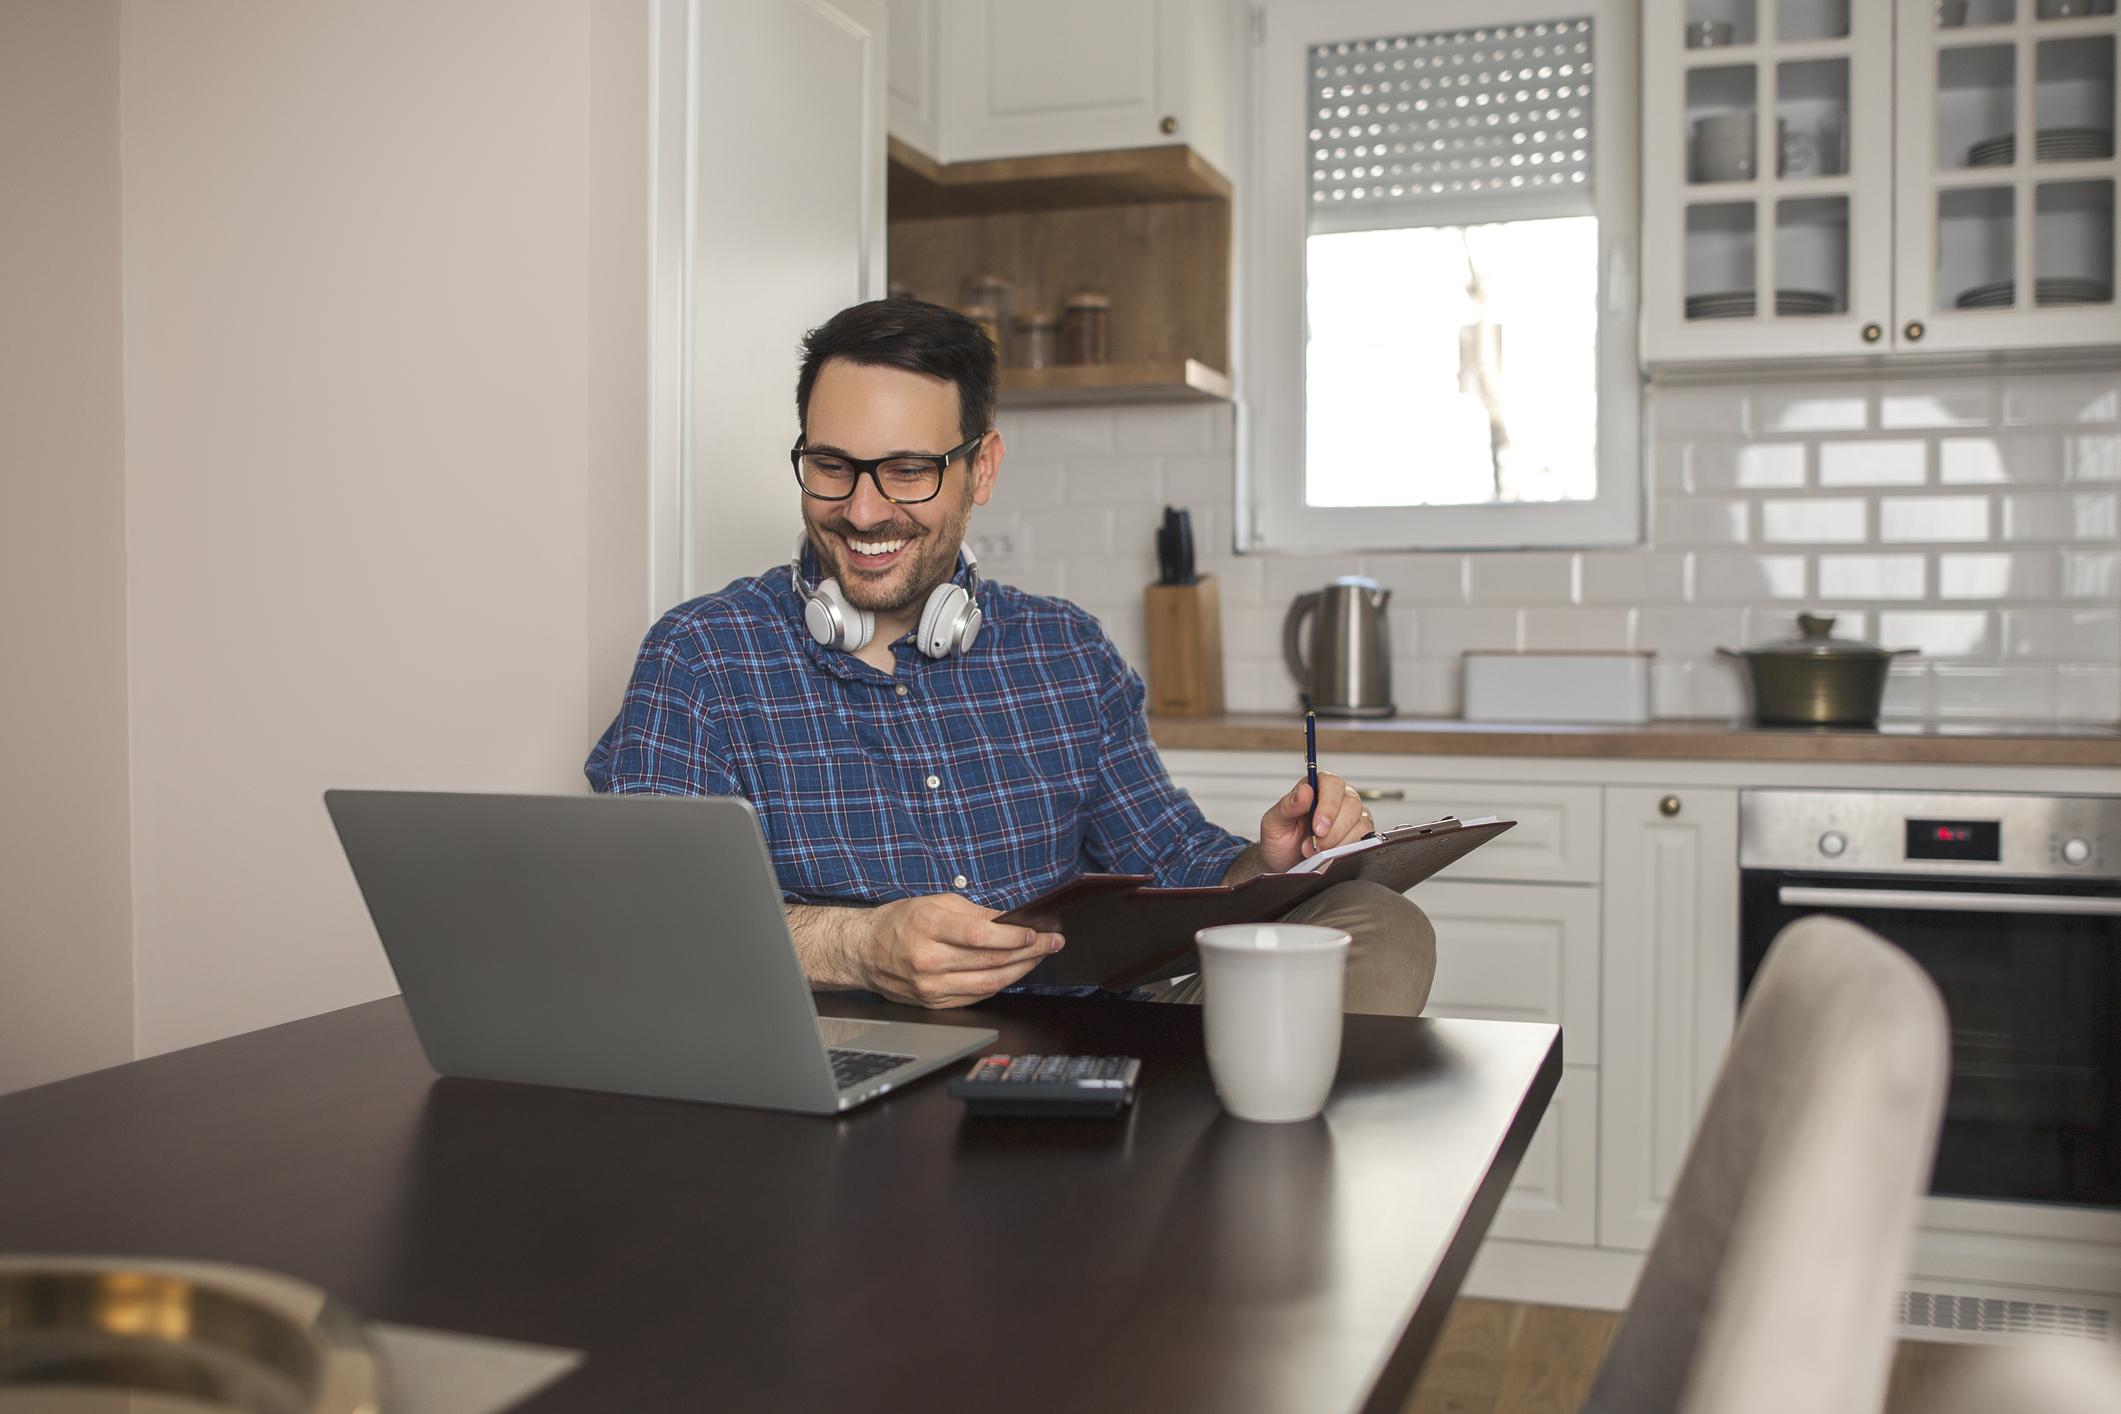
column 1811, row 187
column 1554, row 1195
column 1670, row 953
column 1025, row 78
column 2026, row 236
column 1767, row 165
column 1517, row 952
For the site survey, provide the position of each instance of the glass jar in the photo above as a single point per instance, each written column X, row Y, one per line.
column 995, row 293
column 1086, row 329
column 1037, row 340
column 989, row 320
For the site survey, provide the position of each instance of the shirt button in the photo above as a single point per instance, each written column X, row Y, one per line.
column 902, row 689
column 958, row 882
column 934, row 782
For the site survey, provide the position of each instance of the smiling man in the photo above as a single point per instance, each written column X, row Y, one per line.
column 926, row 750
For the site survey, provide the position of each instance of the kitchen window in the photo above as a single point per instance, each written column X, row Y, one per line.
column 1442, row 326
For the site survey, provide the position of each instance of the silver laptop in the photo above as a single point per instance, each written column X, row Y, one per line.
column 627, row 943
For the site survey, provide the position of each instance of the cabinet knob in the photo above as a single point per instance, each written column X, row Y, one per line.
column 1872, row 333
column 1382, row 794
column 1913, row 331
column 1669, row 806
column 1169, row 125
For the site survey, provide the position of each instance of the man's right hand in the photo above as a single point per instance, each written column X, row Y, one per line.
column 941, row 950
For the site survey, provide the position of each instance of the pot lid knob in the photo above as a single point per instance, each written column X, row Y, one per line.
column 1816, row 625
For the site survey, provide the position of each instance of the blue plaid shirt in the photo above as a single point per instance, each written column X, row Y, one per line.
column 996, row 775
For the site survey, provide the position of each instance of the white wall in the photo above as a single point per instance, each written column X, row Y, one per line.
column 66, row 984
column 1978, row 519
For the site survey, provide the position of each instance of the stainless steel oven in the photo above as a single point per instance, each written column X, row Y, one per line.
column 2012, row 903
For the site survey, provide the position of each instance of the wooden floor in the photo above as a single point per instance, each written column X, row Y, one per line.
column 1499, row 1357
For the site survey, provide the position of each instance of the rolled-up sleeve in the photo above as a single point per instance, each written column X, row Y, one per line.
column 1140, row 821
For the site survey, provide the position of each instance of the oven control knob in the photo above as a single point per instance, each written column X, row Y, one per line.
column 2076, row 851
column 1832, row 843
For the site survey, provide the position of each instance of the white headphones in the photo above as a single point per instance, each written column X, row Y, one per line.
column 950, row 621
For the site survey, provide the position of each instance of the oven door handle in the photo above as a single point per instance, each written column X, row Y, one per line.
column 1949, row 902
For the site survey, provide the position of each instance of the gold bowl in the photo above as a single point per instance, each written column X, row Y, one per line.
column 91, row 1335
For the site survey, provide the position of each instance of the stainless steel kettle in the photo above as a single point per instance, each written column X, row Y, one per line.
column 1349, row 669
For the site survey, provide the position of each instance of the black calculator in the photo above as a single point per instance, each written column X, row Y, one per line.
column 1089, row 1087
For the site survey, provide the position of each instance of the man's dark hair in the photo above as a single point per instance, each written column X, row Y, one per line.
column 915, row 336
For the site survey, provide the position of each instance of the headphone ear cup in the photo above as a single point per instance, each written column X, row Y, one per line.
column 836, row 623
column 943, row 621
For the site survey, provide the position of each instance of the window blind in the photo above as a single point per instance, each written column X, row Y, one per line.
column 1452, row 128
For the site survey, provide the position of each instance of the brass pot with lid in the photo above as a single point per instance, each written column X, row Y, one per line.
column 1817, row 680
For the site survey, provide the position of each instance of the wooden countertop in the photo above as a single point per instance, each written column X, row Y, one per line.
column 1677, row 739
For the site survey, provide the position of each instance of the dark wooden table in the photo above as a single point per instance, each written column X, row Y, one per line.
column 903, row 1257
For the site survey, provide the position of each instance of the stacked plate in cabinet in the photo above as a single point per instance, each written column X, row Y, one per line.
column 1739, row 304
column 2047, row 289
column 2049, row 145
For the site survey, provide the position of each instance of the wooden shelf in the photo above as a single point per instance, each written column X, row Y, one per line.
column 922, row 188
column 1149, row 227
column 1182, row 380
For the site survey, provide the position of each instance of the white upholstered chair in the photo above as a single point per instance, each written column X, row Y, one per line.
column 1770, row 1285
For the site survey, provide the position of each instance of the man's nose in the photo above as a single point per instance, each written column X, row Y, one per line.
column 867, row 506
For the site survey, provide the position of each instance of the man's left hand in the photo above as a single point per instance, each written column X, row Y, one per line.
column 1296, row 827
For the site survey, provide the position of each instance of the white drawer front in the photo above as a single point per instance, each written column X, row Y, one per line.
column 1517, row 952
column 1556, row 839
column 1554, row 1197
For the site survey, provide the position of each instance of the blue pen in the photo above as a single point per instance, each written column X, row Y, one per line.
column 1311, row 763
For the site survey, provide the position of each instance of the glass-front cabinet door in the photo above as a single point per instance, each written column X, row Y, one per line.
column 2005, row 228
column 1767, row 178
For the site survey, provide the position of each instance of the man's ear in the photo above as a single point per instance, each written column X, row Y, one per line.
column 985, row 467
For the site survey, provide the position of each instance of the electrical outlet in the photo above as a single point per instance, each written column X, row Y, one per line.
column 999, row 543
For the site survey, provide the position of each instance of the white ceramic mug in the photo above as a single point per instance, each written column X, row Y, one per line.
column 1274, row 998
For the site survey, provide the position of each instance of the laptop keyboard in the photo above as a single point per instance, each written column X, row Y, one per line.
column 851, row 1068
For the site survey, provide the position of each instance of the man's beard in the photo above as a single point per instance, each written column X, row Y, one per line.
column 933, row 559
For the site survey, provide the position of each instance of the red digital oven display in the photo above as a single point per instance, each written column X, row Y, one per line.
column 1978, row 841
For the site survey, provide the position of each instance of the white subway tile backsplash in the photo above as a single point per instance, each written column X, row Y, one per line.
column 1199, row 481
column 1682, row 412
column 1765, row 466
column 2007, row 575
column 2087, row 692
column 1030, row 482
column 2029, row 460
column 1809, row 410
column 2091, row 574
column 1418, row 581
column 1447, row 633
column 2061, row 398
column 2059, row 517
column 2095, row 458
column 1872, row 576
column 2029, row 575
column 1747, row 579
column 1957, row 404
column 1684, row 524
column 1841, row 521
column 1057, row 432
column 1906, row 520
column 1954, row 634
column 1525, row 577
column 1291, row 575
column 1121, row 482
column 1679, row 633
column 1633, row 579
column 1994, row 693
column 1579, row 630
column 1873, row 463
column 1167, row 427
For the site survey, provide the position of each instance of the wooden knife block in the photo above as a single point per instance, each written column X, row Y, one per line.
column 1185, row 649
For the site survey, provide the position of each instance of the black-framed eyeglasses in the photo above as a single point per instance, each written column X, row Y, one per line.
column 905, row 480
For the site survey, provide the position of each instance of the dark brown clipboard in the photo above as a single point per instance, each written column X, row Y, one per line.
column 1122, row 933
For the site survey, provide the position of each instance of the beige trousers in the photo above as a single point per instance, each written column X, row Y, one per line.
column 1391, row 958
